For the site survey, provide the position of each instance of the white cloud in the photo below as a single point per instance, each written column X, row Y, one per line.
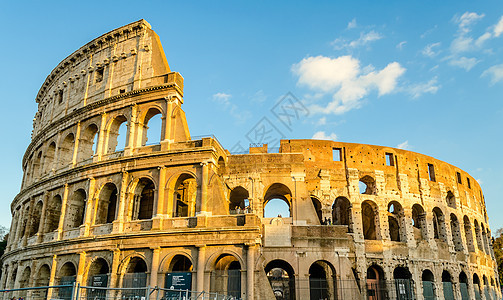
column 495, row 72
column 464, row 62
column 401, row 45
column 352, row 24
column 466, row 20
column 222, row 98
column 416, row 90
column 429, row 49
column 259, row 96
column 321, row 135
column 404, row 146
column 345, row 80
column 498, row 28
column 363, row 40
column 321, row 121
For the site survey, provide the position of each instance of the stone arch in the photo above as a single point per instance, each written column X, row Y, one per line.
column 367, row 185
column 97, row 271
column 439, row 231
column 281, row 276
column 428, row 281
column 276, row 193
column 370, row 220
column 226, row 275
column 180, row 263
column 184, row 195
column 396, row 221
column 114, row 130
column 43, row 276
column 341, row 212
column 76, row 209
column 478, row 235
column 50, row 154
column 66, row 148
column 87, row 142
column 456, row 233
column 450, row 199
column 221, row 166
column 376, row 287
column 144, row 198
column 152, row 112
column 484, row 238
column 403, row 282
column 463, row 285
column 419, row 222
column 53, row 214
column 25, row 277
column 318, row 209
column 469, row 234
column 35, row 219
column 322, row 283
column 477, row 288
column 238, row 200
column 37, row 165
column 447, row 285
column 107, row 204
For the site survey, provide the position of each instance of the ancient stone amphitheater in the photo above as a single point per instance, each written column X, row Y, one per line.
column 100, row 207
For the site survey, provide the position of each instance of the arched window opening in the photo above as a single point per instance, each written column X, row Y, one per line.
column 439, row 225
column 456, row 233
column 35, row 219
column 13, row 277
column 179, row 267
column 238, row 201
column 428, row 285
column 184, row 198
column 322, row 284
column 53, row 213
column 66, row 150
column 226, row 277
column 76, row 209
column 376, row 284
column 152, row 127
column 341, row 212
column 484, row 238
column 403, row 283
column 117, row 135
column 450, row 199
column 88, row 143
column 107, row 204
column 367, row 185
column 277, row 201
column 478, row 236
column 97, row 276
column 25, row 279
column 486, row 287
column 221, row 166
column 135, row 277
column 42, row 279
column 317, row 209
column 145, row 199
column 419, row 222
column 396, row 221
column 37, row 170
column 476, row 286
column 49, row 158
column 370, row 220
column 469, row 235
column 67, row 276
column 281, row 277
column 447, row 285
column 463, row 286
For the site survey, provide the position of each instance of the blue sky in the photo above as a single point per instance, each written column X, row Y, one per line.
column 422, row 75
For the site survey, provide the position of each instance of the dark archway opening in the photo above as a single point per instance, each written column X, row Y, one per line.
column 281, row 277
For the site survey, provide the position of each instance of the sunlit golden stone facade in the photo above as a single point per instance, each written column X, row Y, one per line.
column 359, row 214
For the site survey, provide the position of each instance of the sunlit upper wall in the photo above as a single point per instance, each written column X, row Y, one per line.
column 123, row 60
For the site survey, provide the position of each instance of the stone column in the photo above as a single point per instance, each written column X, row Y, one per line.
column 52, row 279
column 204, row 187
column 200, row 267
column 131, row 138
column 41, row 224
column 160, row 207
column 119, row 223
column 76, row 145
column 101, row 137
column 155, row 266
column 91, row 202
column 114, row 269
column 250, row 272
column 81, row 269
column 64, row 206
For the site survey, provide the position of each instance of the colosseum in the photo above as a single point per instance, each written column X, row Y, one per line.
column 102, row 206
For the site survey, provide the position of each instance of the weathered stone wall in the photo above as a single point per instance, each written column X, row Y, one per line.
column 87, row 207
